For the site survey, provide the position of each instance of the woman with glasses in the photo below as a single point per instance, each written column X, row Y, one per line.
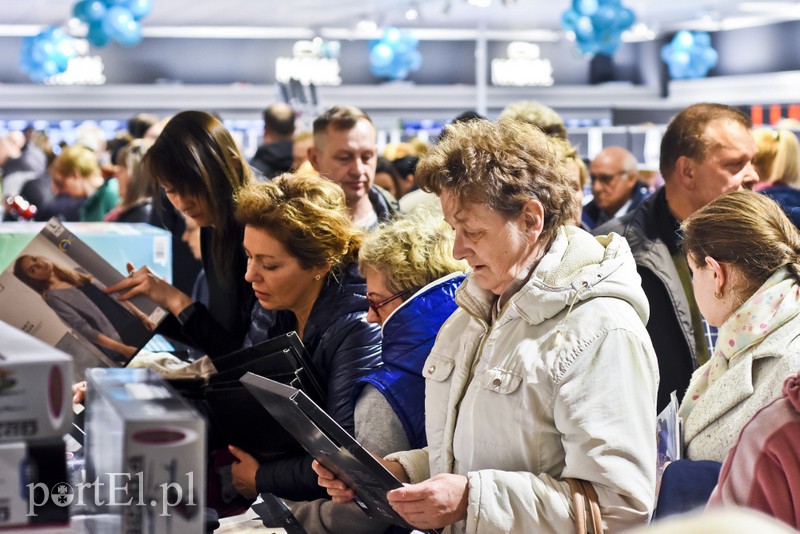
column 411, row 283
column 301, row 250
column 545, row 371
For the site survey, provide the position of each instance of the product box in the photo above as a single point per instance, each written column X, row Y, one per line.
column 35, row 388
column 145, row 453
column 33, row 484
column 118, row 243
column 55, row 290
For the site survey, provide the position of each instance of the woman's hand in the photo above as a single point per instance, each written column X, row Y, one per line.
column 78, row 392
column 338, row 490
column 244, row 472
column 143, row 281
column 435, row 503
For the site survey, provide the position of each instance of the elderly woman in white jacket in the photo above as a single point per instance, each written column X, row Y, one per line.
column 545, row 371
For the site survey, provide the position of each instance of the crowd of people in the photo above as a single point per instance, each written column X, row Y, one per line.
column 494, row 318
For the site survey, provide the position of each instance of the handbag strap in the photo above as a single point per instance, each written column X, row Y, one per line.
column 583, row 493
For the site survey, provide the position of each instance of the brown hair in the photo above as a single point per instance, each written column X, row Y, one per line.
column 686, row 133
column 307, row 214
column 197, row 156
column 746, row 230
column 502, row 165
column 41, row 286
column 338, row 118
column 140, row 186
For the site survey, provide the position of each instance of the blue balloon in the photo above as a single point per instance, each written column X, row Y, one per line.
column 710, row 58
column 625, row 18
column 41, row 50
column 569, row 18
column 584, row 29
column 702, row 39
column 140, row 8
column 117, row 21
column 683, row 40
column 130, row 35
column 79, row 10
column 666, row 53
column 97, row 36
column 381, row 55
column 605, row 18
column 95, row 10
column 615, row 3
column 585, row 7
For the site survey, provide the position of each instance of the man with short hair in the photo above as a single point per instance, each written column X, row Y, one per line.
column 275, row 155
column 346, row 151
column 707, row 151
column 616, row 188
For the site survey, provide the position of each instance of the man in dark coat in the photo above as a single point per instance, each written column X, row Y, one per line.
column 275, row 155
column 707, row 151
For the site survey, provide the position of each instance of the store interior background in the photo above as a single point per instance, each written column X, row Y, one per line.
column 220, row 56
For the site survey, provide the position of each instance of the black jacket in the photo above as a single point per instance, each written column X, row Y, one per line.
column 651, row 232
column 272, row 159
column 343, row 346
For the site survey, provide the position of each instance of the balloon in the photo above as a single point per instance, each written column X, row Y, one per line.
column 97, row 36
column 683, row 40
column 140, row 8
column 79, row 10
column 585, row 7
column 95, row 10
column 117, row 21
column 702, row 39
column 710, row 58
column 569, row 18
column 625, row 18
column 605, row 18
column 381, row 55
column 130, row 35
column 584, row 29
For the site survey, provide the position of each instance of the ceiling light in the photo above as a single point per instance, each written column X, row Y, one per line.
column 366, row 25
column 412, row 13
column 480, row 3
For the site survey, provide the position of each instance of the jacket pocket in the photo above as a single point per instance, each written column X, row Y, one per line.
column 438, row 367
column 502, row 381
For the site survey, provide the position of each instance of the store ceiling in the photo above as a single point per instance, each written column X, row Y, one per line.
column 240, row 18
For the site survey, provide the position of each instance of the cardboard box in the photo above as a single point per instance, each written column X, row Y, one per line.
column 119, row 243
column 147, row 446
column 33, row 483
column 35, row 388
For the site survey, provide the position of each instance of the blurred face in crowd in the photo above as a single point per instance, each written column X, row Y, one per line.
column 300, row 152
column 348, row 157
column 278, row 280
column 384, row 180
column 71, row 185
column 497, row 249
column 382, row 302
column 728, row 164
column 612, row 182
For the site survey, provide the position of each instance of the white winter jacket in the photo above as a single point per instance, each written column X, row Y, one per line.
column 546, row 392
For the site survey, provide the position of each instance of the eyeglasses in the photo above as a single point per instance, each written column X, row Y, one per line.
column 378, row 305
column 606, row 179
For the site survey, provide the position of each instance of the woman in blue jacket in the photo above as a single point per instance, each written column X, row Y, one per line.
column 411, row 282
column 301, row 250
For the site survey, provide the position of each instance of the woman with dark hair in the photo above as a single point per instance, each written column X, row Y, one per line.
column 197, row 163
column 83, row 306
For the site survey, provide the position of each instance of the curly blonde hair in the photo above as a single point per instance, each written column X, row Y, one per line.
column 307, row 214
column 778, row 157
column 411, row 251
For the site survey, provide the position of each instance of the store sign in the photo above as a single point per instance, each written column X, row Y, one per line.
column 314, row 62
column 523, row 67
